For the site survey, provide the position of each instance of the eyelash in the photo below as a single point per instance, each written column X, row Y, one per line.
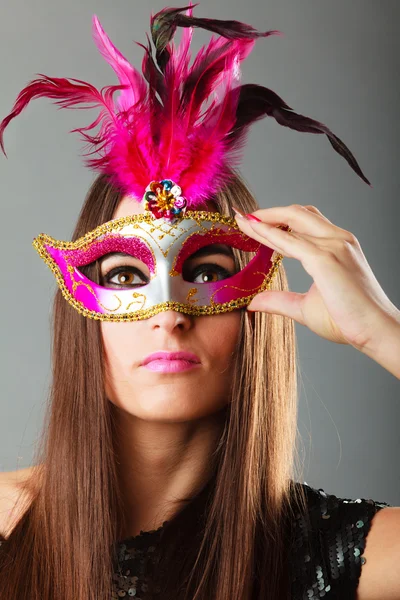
column 106, row 279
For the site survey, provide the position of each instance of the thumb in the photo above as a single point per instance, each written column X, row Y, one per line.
column 287, row 304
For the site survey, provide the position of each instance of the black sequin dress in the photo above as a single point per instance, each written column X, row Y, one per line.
column 326, row 553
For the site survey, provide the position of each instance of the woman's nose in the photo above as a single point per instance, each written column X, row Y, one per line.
column 170, row 319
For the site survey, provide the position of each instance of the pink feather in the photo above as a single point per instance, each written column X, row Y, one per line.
column 135, row 85
column 174, row 121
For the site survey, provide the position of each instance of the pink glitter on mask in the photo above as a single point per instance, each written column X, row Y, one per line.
column 107, row 245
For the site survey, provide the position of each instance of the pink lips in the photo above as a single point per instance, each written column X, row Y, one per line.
column 171, row 362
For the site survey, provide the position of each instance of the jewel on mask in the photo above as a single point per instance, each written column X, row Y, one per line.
column 163, row 199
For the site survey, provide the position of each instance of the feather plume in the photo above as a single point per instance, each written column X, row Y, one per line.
column 128, row 76
column 174, row 120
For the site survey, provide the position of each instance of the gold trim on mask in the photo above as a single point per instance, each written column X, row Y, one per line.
column 114, row 225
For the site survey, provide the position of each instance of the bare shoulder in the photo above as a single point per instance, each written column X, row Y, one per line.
column 14, row 497
column 380, row 574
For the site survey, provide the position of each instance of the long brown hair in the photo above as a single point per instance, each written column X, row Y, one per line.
column 63, row 545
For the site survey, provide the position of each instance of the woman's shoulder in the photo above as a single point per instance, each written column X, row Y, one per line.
column 14, row 498
column 329, row 540
column 329, row 514
column 320, row 500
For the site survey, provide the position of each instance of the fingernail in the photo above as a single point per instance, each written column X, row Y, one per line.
column 253, row 218
column 247, row 216
column 239, row 213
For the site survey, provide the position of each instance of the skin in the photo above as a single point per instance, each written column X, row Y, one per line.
column 14, row 501
column 168, row 423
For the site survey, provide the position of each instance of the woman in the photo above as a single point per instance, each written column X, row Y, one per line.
column 189, row 464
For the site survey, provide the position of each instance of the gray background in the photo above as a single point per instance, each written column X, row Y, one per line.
column 338, row 62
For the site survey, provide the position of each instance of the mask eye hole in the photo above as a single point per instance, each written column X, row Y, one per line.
column 117, row 270
column 214, row 259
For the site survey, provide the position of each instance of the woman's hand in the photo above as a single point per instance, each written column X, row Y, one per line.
column 345, row 304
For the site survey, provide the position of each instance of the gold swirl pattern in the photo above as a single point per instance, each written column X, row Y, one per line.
column 137, row 295
column 190, row 296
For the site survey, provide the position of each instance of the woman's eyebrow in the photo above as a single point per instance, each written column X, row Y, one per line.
column 212, row 249
column 109, row 254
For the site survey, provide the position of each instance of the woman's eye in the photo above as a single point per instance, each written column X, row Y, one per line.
column 209, row 270
column 123, row 276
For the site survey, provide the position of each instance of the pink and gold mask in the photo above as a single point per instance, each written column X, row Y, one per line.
column 163, row 244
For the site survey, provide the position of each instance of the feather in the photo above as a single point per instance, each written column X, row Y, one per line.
column 67, row 94
column 208, row 74
column 165, row 22
column 257, row 101
column 180, row 58
column 128, row 76
column 172, row 120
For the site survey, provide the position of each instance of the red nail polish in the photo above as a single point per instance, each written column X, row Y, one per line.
column 239, row 212
column 253, row 218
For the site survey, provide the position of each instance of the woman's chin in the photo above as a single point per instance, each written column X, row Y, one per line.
column 174, row 404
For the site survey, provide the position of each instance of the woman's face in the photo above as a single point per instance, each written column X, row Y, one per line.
column 160, row 396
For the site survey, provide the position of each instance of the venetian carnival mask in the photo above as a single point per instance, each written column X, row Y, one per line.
column 162, row 238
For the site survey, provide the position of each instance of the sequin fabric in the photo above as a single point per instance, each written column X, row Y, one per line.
column 328, row 544
column 326, row 554
column 326, row 551
column 137, row 557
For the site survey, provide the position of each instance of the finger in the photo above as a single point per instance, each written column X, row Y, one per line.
column 300, row 219
column 288, row 243
column 287, row 304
